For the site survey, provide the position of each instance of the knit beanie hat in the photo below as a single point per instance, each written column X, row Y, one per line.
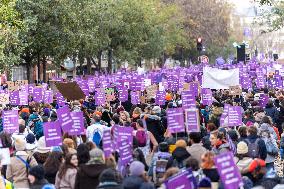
column 20, row 144
column 205, row 183
column 136, row 168
column 96, row 156
column 242, row 148
column 37, row 171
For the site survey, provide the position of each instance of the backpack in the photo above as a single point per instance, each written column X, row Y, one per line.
column 97, row 137
column 141, row 137
column 272, row 149
column 159, row 170
column 253, row 148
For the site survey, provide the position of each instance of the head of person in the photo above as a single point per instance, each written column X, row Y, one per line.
column 71, row 161
column 252, row 131
column 194, row 137
column 20, row 144
column 36, row 173
column 211, row 127
column 139, row 123
column 266, row 120
column 96, row 156
column 69, row 143
column 137, row 168
column 83, row 153
column 207, row 160
column 242, row 149
column 124, row 115
column 53, row 161
column 109, row 176
column 181, row 143
column 156, row 110
column 214, row 138
column 96, row 118
column 163, row 147
column 243, row 132
column 22, row 128
column 192, row 163
column 136, row 112
column 115, row 118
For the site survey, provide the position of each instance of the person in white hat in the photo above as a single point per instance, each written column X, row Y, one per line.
column 242, row 159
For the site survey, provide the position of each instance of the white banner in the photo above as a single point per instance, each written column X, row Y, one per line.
column 214, row 78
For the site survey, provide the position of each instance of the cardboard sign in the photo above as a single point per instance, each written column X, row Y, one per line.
column 4, row 98
column 235, row 90
column 15, row 85
column 110, row 95
column 70, row 91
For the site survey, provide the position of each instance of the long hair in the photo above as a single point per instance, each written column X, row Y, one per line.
column 66, row 165
column 53, row 162
column 83, row 153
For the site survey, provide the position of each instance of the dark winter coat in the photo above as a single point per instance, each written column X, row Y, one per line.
column 88, row 175
column 261, row 145
column 179, row 154
column 38, row 184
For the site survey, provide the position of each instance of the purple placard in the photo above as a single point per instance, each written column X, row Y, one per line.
column 175, row 120
column 192, row 120
column 263, row 100
column 64, row 118
column 31, row 89
column 234, row 116
column 24, row 98
column 182, row 180
column 100, row 97
column 10, row 121
column 206, row 97
column 107, row 143
column 125, row 153
column 188, row 99
column 60, row 99
column 123, row 94
column 123, row 133
column 92, row 85
column 37, row 94
column 135, row 97
column 48, row 96
column 52, row 133
column 14, row 98
column 83, row 84
column 78, row 123
column 194, row 87
column 228, row 171
column 160, row 98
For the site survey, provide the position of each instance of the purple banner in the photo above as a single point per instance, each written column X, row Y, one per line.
column 107, row 143
column 65, row 119
column 10, row 121
column 123, row 94
column 48, row 96
column 182, row 180
column 100, row 97
column 175, row 120
column 188, row 99
column 52, row 133
column 135, row 99
column 37, row 94
column 24, row 98
column 206, row 95
column 263, row 100
column 14, row 98
column 123, row 133
column 234, row 116
column 194, row 86
column 125, row 153
column 228, row 171
column 60, row 99
column 78, row 123
column 160, row 98
column 192, row 120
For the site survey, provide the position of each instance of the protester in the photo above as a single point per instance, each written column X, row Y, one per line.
column 109, row 179
column 88, row 174
column 42, row 151
column 52, row 165
column 180, row 154
column 36, row 177
column 66, row 175
column 196, row 149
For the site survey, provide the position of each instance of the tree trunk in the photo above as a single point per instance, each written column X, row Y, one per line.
column 109, row 64
column 89, row 66
column 38, row 69
column 44, row 69
column 99, row 57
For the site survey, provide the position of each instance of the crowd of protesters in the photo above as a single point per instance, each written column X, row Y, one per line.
column 158, row 154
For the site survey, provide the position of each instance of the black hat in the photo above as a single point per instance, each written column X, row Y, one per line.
column 30, row 138
column 37, row 171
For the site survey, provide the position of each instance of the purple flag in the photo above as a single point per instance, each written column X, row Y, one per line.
column 52, row 133
column 188, row 99
column 78, row 123
column 37, row 94
column 160, row 98
column 14, row 98
column 48, row 96
column 234, row 116
column 64, row 118
column 107, row 143
column 175, row 120
column 206, row 97
column 192, row 120
column 60, row 99
column 10, row 121
column 182, row 180
column 135, row 99
column 228, row 171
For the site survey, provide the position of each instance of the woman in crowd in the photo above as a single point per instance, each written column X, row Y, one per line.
column 52, row 165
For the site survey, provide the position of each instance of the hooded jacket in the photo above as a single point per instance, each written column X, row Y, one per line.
column 88, row 175
column 179, row 154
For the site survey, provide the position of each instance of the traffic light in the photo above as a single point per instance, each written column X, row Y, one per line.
column 199, row 45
